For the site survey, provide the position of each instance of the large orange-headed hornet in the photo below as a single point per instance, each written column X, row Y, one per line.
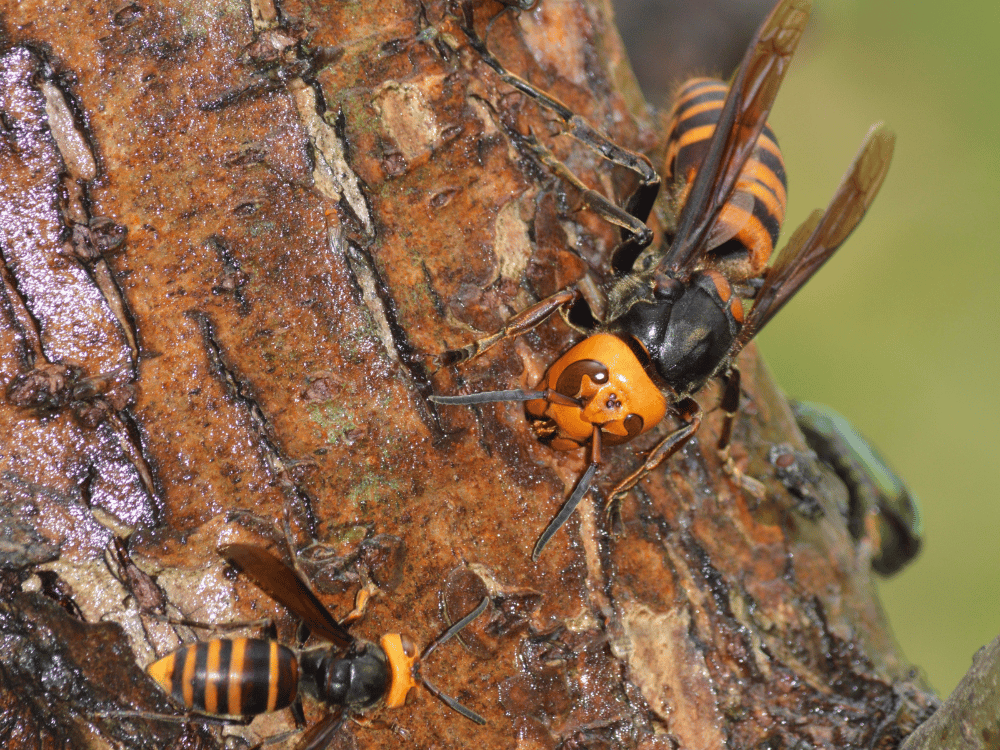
column 675, row 318
column 238, row 678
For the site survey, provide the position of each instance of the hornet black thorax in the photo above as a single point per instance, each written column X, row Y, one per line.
column 358, row 679
column 687, row 329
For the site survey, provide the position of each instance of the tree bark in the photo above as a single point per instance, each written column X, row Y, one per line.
column 229, row 233
column 968, row 718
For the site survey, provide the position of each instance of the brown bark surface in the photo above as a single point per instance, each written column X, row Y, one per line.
column 228, row 232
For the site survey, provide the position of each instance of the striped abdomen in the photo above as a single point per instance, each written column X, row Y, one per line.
column 753, row 215
column 230, row 677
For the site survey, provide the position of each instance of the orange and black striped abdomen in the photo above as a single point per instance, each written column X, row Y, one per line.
column 754, row 214
column 230, row 677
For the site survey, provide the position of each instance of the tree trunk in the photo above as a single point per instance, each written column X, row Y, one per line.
column 315, row 195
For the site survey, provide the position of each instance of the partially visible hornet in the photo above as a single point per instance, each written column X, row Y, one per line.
column 237, row 678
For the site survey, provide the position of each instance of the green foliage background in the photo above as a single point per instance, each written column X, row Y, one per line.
column 899, row 331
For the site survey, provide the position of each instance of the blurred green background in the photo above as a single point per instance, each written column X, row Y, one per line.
column 899, row 331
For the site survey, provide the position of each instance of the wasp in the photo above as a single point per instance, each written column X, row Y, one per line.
column 238, row 678
column 881, row 507
column 675, row 316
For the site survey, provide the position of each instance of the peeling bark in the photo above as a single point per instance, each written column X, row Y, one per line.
column 229, row 233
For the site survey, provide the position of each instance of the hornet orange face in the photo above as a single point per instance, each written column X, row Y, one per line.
column 403, row 657
column 615, row 392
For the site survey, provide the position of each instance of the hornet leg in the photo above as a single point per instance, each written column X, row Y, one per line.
column 690, row 412
column 641, row 202
column 731, row 405
column 523, row 322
